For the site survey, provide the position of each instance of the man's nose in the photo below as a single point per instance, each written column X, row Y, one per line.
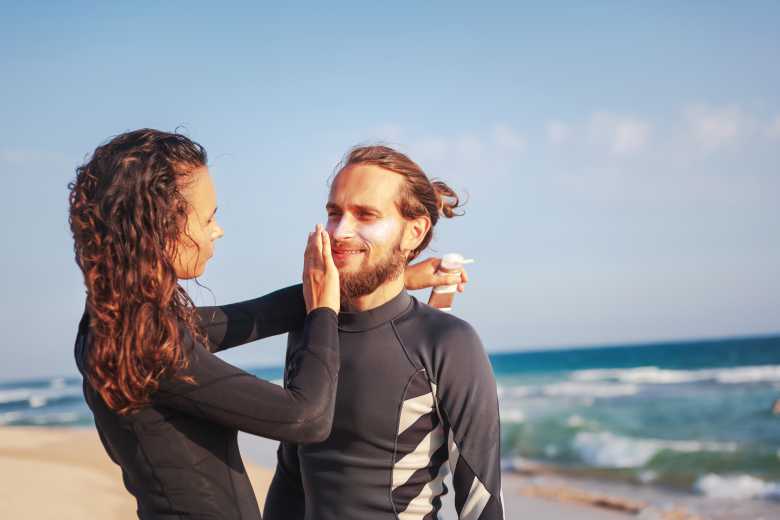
column 341, row 229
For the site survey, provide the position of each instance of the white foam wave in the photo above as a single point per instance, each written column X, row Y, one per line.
column 14, row 396
column 10, row 417
column 515, row 391
column 512, row 416
column 607, row 450
column 569, row 389
column 55, row 418
column 586, row 389
column 655, row 375
column 38, row 396
column 739, row 487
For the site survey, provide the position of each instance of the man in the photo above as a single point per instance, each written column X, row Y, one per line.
column 415, row 389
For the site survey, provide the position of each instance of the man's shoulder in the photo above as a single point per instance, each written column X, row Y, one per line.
column 438, row 329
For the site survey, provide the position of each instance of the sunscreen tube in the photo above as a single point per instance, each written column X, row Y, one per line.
column 443, row 295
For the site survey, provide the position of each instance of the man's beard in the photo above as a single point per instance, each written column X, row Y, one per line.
column 370, row 277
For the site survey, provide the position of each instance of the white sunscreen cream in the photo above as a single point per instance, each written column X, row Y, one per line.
column 443, row 295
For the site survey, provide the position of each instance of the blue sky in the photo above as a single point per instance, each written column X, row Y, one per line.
column 622, row 159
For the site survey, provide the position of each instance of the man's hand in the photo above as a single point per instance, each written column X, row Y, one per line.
column 424, row 274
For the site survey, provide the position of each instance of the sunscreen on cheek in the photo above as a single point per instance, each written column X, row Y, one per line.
column 377, row 232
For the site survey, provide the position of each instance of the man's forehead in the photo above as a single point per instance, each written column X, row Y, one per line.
column 365, row 185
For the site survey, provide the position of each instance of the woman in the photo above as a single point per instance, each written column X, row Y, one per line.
column 142, row 213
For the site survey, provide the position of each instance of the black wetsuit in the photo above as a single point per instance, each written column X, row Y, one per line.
column 179, row 456
column 416, row 391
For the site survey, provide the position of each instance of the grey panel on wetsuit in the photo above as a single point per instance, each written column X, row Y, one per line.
column 416, row 394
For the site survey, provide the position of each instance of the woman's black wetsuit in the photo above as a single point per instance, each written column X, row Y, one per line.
column 179, row 455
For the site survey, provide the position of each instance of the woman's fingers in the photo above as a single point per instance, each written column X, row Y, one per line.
column 327, row 254
column 307, row 254
column 317, row 238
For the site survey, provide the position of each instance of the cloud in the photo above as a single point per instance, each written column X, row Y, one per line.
column 557, row 132
column 508, row 139
column 716, row 127
column 622, row 135
column 773, row 132
column 429, row 149
column 468, row 148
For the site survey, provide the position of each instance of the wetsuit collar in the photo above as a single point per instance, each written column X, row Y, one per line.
column 364, row 320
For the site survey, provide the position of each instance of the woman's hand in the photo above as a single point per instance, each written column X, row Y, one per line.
column 423, row 274
column 320, row 275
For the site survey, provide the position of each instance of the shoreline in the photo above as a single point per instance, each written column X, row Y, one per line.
column 64, row 473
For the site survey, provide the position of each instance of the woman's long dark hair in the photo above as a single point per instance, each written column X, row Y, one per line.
column 127, row 212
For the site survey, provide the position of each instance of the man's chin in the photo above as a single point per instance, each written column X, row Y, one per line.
column 349, row 266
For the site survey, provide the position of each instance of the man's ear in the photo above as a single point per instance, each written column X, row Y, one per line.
column 415, row 232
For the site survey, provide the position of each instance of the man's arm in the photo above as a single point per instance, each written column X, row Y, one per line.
column 227, row 326
column 286, row 500
column 468, row 402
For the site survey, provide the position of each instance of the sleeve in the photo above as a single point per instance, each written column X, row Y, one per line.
column 285, row 499
column 228, row 326
column 302, row 411
column 468, row 401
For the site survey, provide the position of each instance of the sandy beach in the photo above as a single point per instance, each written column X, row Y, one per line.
column 59, row 473
column 48, row 473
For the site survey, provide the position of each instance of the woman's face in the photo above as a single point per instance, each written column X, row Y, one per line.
column 196, row 244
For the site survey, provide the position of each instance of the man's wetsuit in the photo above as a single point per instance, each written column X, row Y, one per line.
column 416, row 391
column 179, row 455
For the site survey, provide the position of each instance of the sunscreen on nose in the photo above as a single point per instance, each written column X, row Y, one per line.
column 443, row 295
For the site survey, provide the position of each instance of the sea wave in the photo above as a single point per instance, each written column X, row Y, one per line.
column 46, row 419
column 576, row 389
column 38, row 397
column 570, row 389
column 512, row 416
column 655, row 375
column 739, row 487
column 608, row 450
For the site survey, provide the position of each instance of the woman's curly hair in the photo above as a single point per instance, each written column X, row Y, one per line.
column 127, row 212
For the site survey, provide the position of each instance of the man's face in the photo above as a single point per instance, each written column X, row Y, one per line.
column 366, row 228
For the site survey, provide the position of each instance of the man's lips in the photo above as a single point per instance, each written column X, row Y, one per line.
column 346, row 252
column 343, row 253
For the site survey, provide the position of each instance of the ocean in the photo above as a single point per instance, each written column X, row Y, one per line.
column 691, row 416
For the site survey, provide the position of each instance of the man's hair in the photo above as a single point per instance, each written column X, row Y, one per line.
column 419, row 196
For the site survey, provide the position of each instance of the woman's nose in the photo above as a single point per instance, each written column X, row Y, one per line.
column 218, row 232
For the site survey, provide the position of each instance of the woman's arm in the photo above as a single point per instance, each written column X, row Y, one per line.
column 228, row 326
column 221, row 393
